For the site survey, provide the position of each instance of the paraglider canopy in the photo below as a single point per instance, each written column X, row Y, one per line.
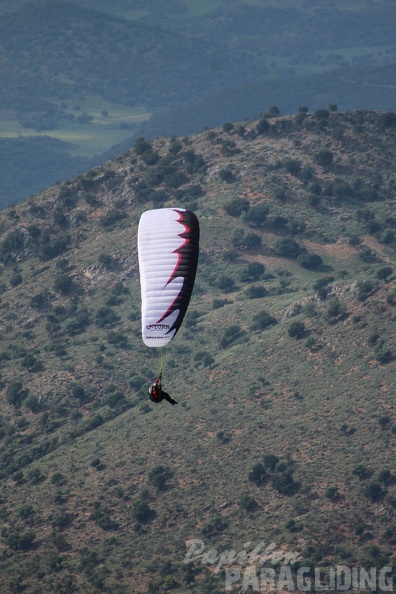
column 168, row 245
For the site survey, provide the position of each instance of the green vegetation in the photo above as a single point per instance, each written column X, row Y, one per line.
column 284, row 373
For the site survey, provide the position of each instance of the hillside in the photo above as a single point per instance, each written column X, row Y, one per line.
column 95, row 76
column 284, row 368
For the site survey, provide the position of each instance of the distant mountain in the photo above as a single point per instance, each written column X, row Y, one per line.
column 186, row 67
column 283, row 369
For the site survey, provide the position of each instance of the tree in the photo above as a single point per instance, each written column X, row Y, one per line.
column 383, row 273
column 230, row 335
column 324, row 157
column 15, row 393
column 293, row 166
column 310, row 261
column 263, row 126
column 248, row 503
column 237, row 206
column 227, row 176
column 251, row 241
column 362, row 472
column 288, row 248
column 158, row 477
column 258, row 474
column 63, row 283
column 262, row 320
column 257, row 215
column 226, row 284
column 296, row 329
column 253, row 272
column 375, row 491
column 284, row 483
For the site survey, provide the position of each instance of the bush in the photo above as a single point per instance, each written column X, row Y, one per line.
column 324, row 157
column 310, row 261
column 227, row 176
column 284, row 483
column 158, row 477
column 362, row 472
column 293, row 166
column 253, row 272
column 255, row 292
column 15, row 393
column 258, row 474
column 248, row 503
column 270, row 461
column 262, row 320
column 226, row 284
column 63, row 283
column 364, row 288
column 251, row 241
column 296, row 329
column 105, row 317
column 142, row 512
column 237, row 206
column 383, row 273
column 335, row 308
column 375, row 491
column 263, row 126
column 230, row 335
column 228, row 126
column 257, row 215
column 288, row 248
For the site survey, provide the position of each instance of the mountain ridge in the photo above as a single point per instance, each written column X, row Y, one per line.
column 283, row 368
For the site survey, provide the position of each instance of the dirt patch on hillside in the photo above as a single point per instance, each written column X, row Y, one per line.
column 339, row 250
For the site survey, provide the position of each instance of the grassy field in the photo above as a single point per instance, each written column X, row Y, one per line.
column 111, row 125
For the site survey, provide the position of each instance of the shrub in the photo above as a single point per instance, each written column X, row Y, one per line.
column 331, row 493
column 16, row 279
column 253, row 272
column 293, row 166
column 237, row 206
column 310, row 261
column 270, row 461
column 228, row 126
column 255, row 292
column 364, row 288
column 15, row 393
column 324, row 157
column 257, row 215
column 288, row 248
column 384, row 356
column 227, row 176
column 335, row 308
column 248, row 503
column 105, row 317
column 226, row 284
column 158, row 477
column 284, row 483
column 142, row 512
column 263, row 126
column 296, row 329
column 63, row 283
column 362, row 472
column 258, row 474
column 262, row 320
column 383, row 273
column 375, row 491
column 251, row 241
column 232, row 333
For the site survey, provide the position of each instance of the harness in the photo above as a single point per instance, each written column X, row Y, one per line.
column 155, row 390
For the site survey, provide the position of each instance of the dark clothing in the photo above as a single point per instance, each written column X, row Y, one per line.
column 157, row 394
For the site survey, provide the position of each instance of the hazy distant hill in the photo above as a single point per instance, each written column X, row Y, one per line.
column 67, row 66
column 284, row 368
